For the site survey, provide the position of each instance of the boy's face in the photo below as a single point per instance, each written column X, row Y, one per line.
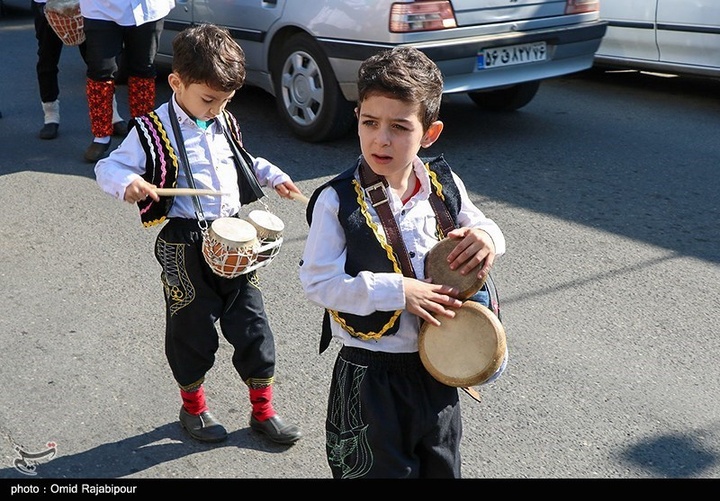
column 198, row 100
column 391, row 134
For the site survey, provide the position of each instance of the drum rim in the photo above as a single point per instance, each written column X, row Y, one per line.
column 481, row 375
column 233, row 244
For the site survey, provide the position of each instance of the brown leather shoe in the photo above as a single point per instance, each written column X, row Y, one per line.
column 96, row 151
column 49, row 131
column 120, row 129
column 203, row 427
column 277, row 430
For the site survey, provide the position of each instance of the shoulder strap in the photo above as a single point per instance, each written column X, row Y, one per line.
column 374, row 186
column 185, row 162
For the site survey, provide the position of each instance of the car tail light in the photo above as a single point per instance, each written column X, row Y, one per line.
column 421, row 16
column 580, row 6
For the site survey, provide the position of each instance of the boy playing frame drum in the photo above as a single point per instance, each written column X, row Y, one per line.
column 208, row 67
column 372, row 305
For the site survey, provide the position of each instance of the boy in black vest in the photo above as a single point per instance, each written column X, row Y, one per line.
column 387, row 417
column 208, row 67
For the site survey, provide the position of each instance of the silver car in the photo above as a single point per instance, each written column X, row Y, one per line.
column 667, row 36
column 306, row 53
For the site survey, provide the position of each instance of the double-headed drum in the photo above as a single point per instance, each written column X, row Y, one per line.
column 230, row 246
column 469, row 349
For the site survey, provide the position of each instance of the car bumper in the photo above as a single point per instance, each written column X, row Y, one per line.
column 570, row 50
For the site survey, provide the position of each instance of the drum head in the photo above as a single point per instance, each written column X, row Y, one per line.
column 267, row 224
column 465, row 350
column 233, row 232
column 438, row 269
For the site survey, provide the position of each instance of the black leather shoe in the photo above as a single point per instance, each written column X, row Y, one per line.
column 49, row 131
column 120, row 129
column 203, row 427
column 96, row 151
column 277, row 430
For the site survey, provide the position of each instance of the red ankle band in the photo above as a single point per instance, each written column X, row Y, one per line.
column 261, row 400
column 194, row 401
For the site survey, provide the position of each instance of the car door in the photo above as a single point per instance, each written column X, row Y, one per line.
column 248, row 22
column 179, row 18
column 688, row 32
column 631, row 29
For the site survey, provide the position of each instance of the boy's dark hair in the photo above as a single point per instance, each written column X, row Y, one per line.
column 207, row 54
column 404, row 73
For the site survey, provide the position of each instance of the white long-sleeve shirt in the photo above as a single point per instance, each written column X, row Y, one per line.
column 126, row 12
column 211, row 162
column 322, row 271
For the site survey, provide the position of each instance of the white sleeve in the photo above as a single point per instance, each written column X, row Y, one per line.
column 124, row 164
column 322, row 269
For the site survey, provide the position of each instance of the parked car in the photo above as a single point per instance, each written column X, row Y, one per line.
column 668, row 36
column 307, row 53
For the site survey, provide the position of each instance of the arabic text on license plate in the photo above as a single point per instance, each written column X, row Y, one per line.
column 511, row 55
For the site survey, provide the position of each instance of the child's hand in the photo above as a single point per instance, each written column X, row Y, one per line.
column 425, row 299
column 289, row 190
column 139, row 190
column 474, row 246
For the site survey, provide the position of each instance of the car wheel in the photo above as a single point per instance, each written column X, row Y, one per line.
column 508, row 99
column 307, row 94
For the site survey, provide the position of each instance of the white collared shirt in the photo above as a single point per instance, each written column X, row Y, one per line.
column 211, row 162
column 126, row 12
column 326, row 284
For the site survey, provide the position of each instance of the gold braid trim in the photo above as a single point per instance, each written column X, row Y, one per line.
column 193, row 386
column 434, row 183
column 256, row 383
column 155, row 222
column 391, row 256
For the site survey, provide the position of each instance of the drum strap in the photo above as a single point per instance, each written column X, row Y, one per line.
column 186, row 164
column 251, row 190
column 375, row 186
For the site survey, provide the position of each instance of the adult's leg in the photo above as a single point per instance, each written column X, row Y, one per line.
column 141, row 46
column 49, row 50
column 104, row 41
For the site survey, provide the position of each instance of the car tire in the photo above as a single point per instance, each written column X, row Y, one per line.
column 307, row 94
column 507, row 99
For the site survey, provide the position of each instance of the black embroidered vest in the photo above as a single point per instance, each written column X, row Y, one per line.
column 364, row 250
column 161, row 164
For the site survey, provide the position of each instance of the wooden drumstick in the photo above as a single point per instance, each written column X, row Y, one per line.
column 299, row 197
column 175, row 192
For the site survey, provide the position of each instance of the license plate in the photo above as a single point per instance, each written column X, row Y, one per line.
column 511, row 55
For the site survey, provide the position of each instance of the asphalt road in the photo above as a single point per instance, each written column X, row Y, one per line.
column 606, row 187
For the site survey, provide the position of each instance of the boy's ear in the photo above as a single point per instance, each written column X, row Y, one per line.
column 174, row 81
column 432, row 134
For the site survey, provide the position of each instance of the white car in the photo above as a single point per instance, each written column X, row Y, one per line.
column 306, row 53
column 680, row 37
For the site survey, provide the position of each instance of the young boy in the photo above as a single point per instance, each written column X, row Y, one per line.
column 387, row 417
column 208, row 67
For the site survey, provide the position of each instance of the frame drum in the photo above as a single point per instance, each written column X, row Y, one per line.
column 466, row 350
column 438, row 269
